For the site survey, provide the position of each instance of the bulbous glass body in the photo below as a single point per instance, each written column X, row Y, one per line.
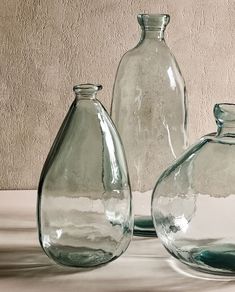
column 149, row 110
column 84, row 197
column 193, row 204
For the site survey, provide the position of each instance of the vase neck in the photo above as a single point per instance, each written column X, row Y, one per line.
column 225, row 131
column 86, row 91
column 153, row 25
column 157, row 35
column 225, row 119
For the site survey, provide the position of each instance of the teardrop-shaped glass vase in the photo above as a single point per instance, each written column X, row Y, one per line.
column 84, row 197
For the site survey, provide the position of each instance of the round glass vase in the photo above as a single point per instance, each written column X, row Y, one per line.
column 193, row 203
column 84, row 197
column 149, row 110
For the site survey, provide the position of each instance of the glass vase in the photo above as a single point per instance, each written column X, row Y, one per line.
column 193, row 203
column 149, row 110
column 84, row 197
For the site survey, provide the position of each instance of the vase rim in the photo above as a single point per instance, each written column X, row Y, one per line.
column 224, row 112
column 87, row 88
column 153, row 21
column 154, row 14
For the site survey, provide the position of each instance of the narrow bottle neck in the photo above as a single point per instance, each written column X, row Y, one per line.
column 82, row 96
column 153, row 26
column 157, row 35
column 86, row 91
column 226, row 129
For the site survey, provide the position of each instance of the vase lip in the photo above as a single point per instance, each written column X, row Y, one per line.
column 87, row 88
column 153, row 21
column 224, row 113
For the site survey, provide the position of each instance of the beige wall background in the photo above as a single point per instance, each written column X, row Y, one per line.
column 46, row 47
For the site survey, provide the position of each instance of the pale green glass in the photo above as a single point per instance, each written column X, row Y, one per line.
column 84, row 196
column 193, row 204
column 149, row 110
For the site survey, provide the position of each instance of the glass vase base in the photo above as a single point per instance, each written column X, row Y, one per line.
column 218, row 259
column 79, row 256
column 143, row 226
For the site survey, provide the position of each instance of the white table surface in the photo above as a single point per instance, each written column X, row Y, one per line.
column 145, row 266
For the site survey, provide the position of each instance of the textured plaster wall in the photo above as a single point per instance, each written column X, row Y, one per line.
column 48, row 46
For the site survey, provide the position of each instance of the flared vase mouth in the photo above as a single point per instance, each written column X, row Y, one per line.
column 225, row 114
column 153, row 21
column 87, row 89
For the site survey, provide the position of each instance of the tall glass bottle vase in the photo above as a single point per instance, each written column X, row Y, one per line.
column 149, row 110
column 84, row 197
